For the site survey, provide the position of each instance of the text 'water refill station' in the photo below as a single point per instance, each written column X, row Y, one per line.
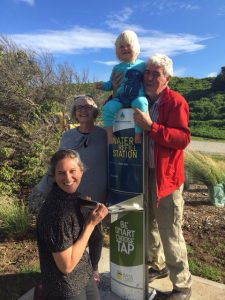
column 128, row 208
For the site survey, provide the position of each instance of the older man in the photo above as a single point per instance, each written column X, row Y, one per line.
column 169, row 134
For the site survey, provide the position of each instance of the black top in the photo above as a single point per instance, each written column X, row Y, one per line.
column 59, row 225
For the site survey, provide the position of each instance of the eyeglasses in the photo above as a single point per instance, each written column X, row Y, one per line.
column 85, row 107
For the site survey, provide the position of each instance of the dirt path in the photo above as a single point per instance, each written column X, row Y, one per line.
column 208, row 147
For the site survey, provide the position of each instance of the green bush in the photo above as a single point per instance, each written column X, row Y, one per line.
column 214, row 129
column 34, row 163
column 203, row 168
column 34, row 169
column 6, row 152
column 8, row 189
column 7, row 173
column 15, row 217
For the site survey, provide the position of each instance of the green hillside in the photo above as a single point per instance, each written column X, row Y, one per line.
column 207, row 105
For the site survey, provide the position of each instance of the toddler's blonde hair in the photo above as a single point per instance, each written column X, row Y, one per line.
column 130, row 37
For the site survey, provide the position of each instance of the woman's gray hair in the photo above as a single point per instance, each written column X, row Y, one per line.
column 162, row 60
column 90, row 100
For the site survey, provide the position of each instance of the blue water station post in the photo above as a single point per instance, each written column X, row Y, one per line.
column 128, row 176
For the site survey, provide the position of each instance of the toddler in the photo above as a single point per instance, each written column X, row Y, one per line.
column 131, row 92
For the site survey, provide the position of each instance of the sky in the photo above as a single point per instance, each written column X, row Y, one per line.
column 82, row 33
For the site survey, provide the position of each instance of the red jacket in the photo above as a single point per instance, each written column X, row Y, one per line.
column 171, row 136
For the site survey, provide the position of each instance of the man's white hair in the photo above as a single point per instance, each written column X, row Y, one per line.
column 130, row 37
column 162, row 60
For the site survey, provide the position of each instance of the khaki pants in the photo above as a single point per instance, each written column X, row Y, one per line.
column 166, row 242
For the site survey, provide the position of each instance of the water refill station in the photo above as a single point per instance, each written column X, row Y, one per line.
column 128, row 176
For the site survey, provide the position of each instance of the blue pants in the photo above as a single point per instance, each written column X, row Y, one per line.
column 114, row 105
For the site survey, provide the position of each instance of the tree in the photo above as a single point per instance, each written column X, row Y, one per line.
column 32, row 89
column 219, row 81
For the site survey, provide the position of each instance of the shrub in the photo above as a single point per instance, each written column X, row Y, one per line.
column 203, row 168
column 6, row 152
column 8, row 189
column 14, row 217
column 7, row 173
column 34, row 162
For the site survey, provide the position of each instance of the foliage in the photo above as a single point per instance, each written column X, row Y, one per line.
column 219, row 81
column 203, row 168
column 208, row 129
column 203, row 270
column 192, row 87
column 9, row 188
column 32, row 90
column 28, row 269
column 7, row 173
column 207, row 105
column 6, row 152
column 14, row 217
column 34, row 163
column 202, row 267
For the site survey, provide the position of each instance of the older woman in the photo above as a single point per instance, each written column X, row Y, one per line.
column 90, row 141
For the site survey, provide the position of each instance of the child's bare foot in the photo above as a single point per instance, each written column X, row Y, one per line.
column 138, row 138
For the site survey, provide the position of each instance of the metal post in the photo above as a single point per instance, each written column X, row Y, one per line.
column 128, row 179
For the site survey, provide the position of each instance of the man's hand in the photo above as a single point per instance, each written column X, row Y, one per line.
column 142, row 119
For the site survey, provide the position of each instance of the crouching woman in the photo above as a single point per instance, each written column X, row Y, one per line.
column 63, row 234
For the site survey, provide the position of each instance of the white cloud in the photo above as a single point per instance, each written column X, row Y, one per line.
column 29, row 2
column 212, row 74
column 74, row 41
column 170, row 44
column 107, row 63
column 121, row 26
column 163, row 7
column 118, row 20
column 121, row 16
column 79, row 39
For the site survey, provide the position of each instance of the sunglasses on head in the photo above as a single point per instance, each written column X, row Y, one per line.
column 84, row 96
column 86, row 106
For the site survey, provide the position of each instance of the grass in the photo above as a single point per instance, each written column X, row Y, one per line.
column 204, row 270
column 204, row 168
column 29, row 269
column 203, row 265
column 14, row 217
